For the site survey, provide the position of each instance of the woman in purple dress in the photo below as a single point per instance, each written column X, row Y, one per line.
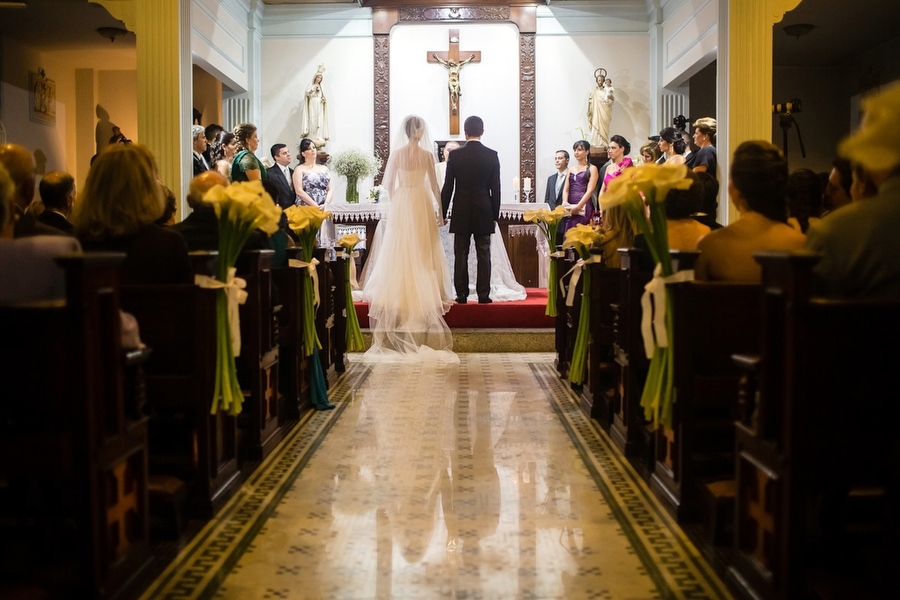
column 579, row 187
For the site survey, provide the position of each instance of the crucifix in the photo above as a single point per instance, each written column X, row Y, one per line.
column 452, row 61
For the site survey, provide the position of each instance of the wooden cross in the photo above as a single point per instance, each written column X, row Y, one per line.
column 451, row 60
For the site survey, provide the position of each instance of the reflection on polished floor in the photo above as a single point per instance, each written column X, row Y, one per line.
column 476, row 480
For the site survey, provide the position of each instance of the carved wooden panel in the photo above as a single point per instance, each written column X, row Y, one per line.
column 430, row 14
column 527, row 140
column 382, row 97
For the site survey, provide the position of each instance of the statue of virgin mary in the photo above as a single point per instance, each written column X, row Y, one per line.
column 314, row 118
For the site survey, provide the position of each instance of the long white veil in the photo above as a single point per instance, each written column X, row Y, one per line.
column 407, row 281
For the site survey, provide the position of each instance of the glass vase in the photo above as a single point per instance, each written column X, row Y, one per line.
column 352, row 190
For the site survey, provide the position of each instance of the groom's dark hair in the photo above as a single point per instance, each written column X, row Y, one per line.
column 474, row 126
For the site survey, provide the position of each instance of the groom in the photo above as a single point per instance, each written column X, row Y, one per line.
column 473, row 182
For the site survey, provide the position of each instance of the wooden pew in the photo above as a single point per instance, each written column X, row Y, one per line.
column 598, row 398
column 628, row 428
column 293, row 365
column 712, row 321
column 186, row 441
column 74, row 516
column 257, row 364
column 815, row 434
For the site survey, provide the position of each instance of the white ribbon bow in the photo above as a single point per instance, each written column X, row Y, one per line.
column 350, row 256
column 311, row 267
column 235, row 295
column 576, row 275
column 653, row 307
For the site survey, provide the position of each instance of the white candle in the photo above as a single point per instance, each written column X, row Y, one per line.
column 516, row 184
column 528, row 184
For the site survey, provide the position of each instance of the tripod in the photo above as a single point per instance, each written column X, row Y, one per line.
column 786, row 120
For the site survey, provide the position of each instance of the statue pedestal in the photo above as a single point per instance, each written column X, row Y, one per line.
column 598, row 158
column 322, row 157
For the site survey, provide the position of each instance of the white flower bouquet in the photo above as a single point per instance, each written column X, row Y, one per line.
column 354, row 164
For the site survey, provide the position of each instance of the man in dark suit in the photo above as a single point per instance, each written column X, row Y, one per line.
column 473, row 183
column 199, row 145
column 282, row 176
column 557, row 182
column 57, row 190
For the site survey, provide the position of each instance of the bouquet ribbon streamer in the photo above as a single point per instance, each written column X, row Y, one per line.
column 576, row 275
column 653, row 322
column 235, row 294
column 350, row 256
column 311, row 267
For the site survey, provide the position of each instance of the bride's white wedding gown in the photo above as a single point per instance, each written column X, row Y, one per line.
column 406, row 281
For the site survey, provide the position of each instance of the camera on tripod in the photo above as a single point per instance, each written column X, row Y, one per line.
column 791, row 106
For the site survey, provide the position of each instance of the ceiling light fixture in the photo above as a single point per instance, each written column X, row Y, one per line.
column 111, row 32
column 798, row 29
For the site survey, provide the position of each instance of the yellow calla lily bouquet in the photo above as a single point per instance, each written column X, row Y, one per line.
column 581, row 238
column 548, row 222
column 647, row 185
column 353, row 335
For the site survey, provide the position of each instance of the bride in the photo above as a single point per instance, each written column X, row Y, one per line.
column 407, row 283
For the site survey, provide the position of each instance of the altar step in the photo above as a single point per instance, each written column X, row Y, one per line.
column 466, row 340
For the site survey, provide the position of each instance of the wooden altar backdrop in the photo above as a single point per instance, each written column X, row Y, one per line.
column 525, row 245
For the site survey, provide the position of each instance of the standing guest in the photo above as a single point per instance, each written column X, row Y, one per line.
column 704, row 159
column 709, row 207
column 580, row 185
column 473, row 184
column 198, row 137
column 117, row 212
column 28, row 270
column 758, row 188
column 282, row 176
column 246, row 166
column 859, row 243
column 211, row 132
column 312, row 181
column 441, row 167
column 617, row 231
column 22, row 170
column 650, row 153
column 619, row 149
column 556, row 183
column 683, row 232
column 57, row 191
column 672, row 146
column 837, row 191
column 222, row 153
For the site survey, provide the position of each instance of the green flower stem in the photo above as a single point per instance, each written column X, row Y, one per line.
column 552, row 282
column 579, row 354
column 353, row 335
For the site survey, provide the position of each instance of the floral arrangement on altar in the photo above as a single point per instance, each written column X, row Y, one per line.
column 305, row 221
column 241, row 208
column 647, row 185
column 354, row 164
column 548, row 221
column 375, row 193
column 353, row 336
column 581, row 238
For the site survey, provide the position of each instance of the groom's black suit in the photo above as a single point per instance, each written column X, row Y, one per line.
column 473, row 183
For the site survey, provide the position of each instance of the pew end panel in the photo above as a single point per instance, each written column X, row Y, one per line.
column 601, row 393
column 73, row 451
column 293, row 367
column 186, row 441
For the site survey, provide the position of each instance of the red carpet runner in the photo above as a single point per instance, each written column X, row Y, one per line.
column 527, row 313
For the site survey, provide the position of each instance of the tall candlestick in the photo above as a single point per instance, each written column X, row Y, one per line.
column 528, row 184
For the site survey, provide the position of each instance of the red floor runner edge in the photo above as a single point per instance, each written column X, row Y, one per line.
column 527, row 313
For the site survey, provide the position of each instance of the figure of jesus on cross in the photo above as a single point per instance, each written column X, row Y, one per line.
column 451, row 61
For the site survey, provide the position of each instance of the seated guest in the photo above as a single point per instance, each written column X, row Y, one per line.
column 117, row 212
column 862, row 186
column 22, row 170
column 27, row 267
column 837, row 191
column 859, row 243
column 57, row 190
column 710, row 205
column 684, row 232
column 757, row 186
column 617, row 231
column 168, row 216
column 804, row 197
column 201, row 228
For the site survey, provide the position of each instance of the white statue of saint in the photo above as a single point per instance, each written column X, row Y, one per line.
column 599, row 112
column 314, row 119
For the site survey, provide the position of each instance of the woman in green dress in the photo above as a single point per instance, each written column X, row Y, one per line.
column 246, row 166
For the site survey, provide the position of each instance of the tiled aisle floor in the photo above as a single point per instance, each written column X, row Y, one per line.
column 477, row 480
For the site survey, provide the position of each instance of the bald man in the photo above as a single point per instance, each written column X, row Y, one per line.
column 201, row 228
column 22, row 170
